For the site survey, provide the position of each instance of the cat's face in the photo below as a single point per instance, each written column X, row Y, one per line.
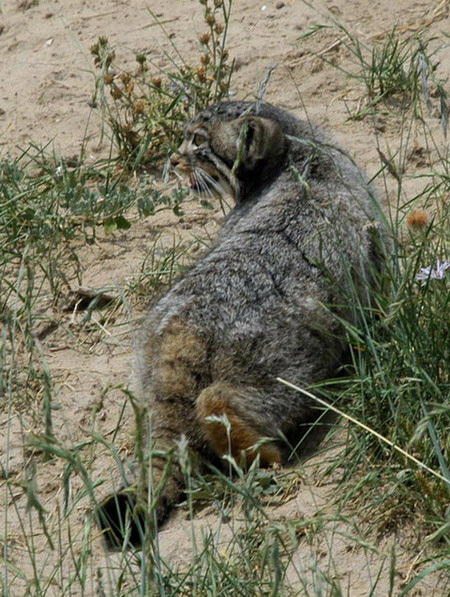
column 220, row 156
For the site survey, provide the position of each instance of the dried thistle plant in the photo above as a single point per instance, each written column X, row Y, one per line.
column 145, row 106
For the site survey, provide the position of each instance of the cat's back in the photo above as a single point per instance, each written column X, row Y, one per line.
column 294, row 241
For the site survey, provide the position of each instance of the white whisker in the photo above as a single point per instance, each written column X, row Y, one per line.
column 212, row 182
column 200, row 183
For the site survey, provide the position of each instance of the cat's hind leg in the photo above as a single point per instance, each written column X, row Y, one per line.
column 244, row 438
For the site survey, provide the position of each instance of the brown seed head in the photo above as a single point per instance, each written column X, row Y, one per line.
column 140, row 106
column 125, row 78
column 201, row 74
column 116, row 92
column 417, row 219
column 156, row 81
column 204, row 38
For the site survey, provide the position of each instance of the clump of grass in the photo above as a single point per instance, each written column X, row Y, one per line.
column 145, row 107
column 399, row 382
column 397, row 72
column 400, row 73
column 390, row 71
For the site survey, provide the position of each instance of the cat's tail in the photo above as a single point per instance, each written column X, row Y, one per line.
column 129, row 515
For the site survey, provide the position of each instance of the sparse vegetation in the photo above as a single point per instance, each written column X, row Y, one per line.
column 398, row 383
column 397, row 72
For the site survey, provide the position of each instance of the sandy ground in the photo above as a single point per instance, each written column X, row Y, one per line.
column 47, row 83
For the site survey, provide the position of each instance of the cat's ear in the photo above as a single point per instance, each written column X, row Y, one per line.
column 259, row 140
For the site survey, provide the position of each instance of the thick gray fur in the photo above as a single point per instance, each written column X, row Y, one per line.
column 292, row 253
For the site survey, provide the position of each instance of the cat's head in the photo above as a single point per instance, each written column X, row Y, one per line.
column 228, row 153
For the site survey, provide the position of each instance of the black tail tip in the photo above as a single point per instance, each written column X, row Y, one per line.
column 121, row 521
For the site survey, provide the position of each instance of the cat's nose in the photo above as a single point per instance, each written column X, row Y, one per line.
column 175, row 160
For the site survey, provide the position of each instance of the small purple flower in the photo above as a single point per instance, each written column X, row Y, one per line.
column 430, row 273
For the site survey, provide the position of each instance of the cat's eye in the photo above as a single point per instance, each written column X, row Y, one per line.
column 198, row 139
